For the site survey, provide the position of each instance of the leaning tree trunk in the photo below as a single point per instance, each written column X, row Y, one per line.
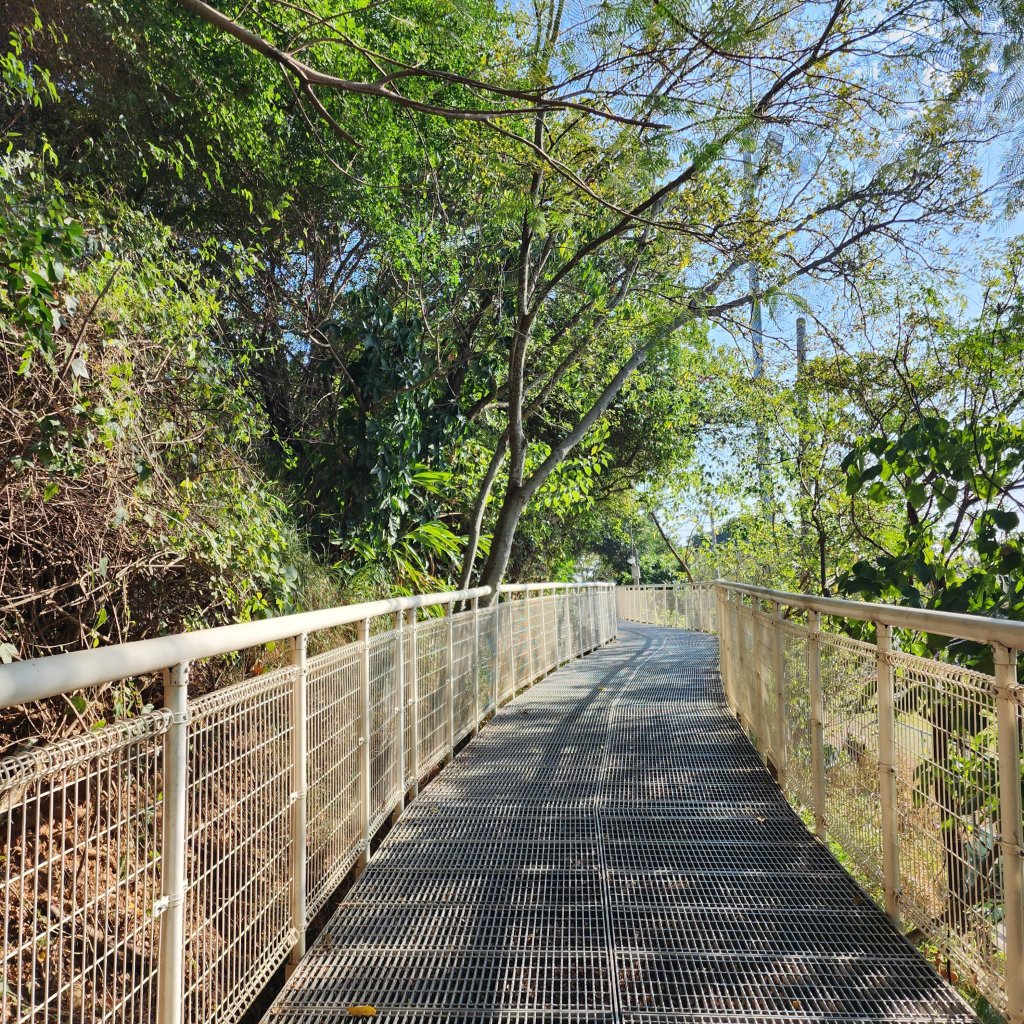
column 512, row 507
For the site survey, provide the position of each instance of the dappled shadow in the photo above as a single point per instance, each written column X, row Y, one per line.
column 608, row 848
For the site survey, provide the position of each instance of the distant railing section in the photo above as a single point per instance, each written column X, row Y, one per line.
column 913, row 765
column 162, row 868
column 686, row 606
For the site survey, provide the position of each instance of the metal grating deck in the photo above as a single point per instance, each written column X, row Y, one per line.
column 610, row 850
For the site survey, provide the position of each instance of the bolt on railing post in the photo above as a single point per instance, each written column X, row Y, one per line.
column 1009, row 723
column 413, row 708
column 400, row 710
column 297, row 854
column 779, row 672
column 365, row 728
column 475, row 606
column 817, row 712
column 887, row 773
column 171, row 963
column 450, row 661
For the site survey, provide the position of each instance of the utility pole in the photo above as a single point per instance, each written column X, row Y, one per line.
column 772, row 145
column 801, row 421
column 754, row 282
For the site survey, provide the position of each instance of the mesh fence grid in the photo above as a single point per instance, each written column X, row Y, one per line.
column 80, row 875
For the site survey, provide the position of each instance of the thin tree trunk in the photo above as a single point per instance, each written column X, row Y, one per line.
column 665, row 537
column 518, row 494
column 476, row 520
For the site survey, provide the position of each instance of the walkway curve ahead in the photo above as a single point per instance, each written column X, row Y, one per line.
column 610, row 849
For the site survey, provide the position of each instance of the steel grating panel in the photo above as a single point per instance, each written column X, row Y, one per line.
column 611, row 850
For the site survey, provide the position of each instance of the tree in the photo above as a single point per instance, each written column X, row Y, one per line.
column 605, row 276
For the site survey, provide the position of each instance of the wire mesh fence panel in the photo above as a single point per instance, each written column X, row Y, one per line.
column 523, row 646
column 947, row 777
column 850, row 706
column 489, row 659
column 549, row 617
column 410, row 687
column 797, row 716
column 386, row 781
column 80, row 877
column 463, row 671
column 432, row 709
column 751, row 679
column 237, row 919
column 764, row 625
column 332, row 830
column 570, row 645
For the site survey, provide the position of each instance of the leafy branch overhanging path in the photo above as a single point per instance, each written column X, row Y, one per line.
column 611, row 849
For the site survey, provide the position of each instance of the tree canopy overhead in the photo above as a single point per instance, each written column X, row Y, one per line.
column 470, row 290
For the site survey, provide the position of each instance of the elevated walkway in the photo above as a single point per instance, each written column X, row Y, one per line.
column 611, row 849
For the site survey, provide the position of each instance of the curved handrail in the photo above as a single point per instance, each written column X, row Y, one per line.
column 38, row 678
column 980, row 628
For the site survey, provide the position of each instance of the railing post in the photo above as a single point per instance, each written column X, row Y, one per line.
column 1008, row 724
column 475, row 673
column 530, row 645
column 399, row 706
column 887, row 773
column 365, row 729
column 297, row 856
column 779, row 672
column 557, row 599
column 817, row 724
column 413, row 708
column 450, row 660
column 171, row 963
column 577, row 602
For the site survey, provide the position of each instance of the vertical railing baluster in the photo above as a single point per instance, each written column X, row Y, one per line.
column 764, row 727
column 510, row 606
column 530, row 642
column 413, row 707
column 1009, row 723
column 365, row 732
column 887, row 772
column 450, row 659
column 171, row 962
column 475, row 671
column 298, row 713
column 399, row 711
column 817, row 712
column 779, row 672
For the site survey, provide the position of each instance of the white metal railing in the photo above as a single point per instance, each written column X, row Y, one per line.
column 161, row 868
column 687, row 606
column 913, row 765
